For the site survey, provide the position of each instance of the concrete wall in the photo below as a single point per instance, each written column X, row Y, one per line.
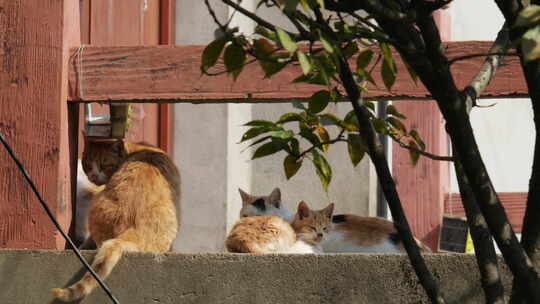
column 213, row 165
column 27, row 277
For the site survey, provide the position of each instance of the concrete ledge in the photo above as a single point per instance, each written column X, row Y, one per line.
column 26, row 276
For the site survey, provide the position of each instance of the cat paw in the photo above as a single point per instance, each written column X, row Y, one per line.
column 60, row 293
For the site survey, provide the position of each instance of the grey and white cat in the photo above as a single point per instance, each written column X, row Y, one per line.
column 348, row 233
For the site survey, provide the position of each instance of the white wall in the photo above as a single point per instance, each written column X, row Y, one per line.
column 213, row 166
column 504, row 132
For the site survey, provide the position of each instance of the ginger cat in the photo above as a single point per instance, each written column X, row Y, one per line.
column 136, row 210
column 348, row 233
column 272, row 234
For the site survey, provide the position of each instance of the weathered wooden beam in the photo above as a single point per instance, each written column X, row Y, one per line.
column 35, row 40
column 171, row 74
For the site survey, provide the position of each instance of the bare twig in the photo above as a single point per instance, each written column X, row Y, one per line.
column 421, row 152
column 214, row 16
column 470, row 56
column 488, row 69
column 257, row 19
column 374, row 7
column 335, row 140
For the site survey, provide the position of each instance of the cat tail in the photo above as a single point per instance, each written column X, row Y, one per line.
column 422, row 246
column 108, row 255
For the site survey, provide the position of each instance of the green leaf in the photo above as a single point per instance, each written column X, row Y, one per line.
column 391, row 110
column 271, row 68
column 254, row 132
column 530, row 44
column 318, row 101
column 305, row 5
column 380, row 125
column 304, row 62
column 411, row 71
column 351, row 121
column 413, row 154
column 262, row 47
column 288, row 117
column 323, row 169
column 307, row 133
column 265, row 33
column 290, row 5
column 321, row 3
column 326, row 70
column 387, row 55
column 284, row 134
column 369, row 104
column 367, row 75
column 329, row 119
column 414, row 134
column 528, row 16
column 325, row 137
column 388, row 75
column 260, row 123
column 356, row 147
column 267, row 149
column 291, row 165
column 350, row 50
column 286, row 40
column 260, row 140
column 396, row 123
column 364, row 59
column 211, row 53
column 326, row 43
column 295, row 146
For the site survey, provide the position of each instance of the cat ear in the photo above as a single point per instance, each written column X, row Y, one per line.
column 245, row 197
column 303, row 210
column 275, row 197
column 328, row 211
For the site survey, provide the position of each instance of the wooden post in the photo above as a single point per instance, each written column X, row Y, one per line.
column 34, row 51
column 166, row 36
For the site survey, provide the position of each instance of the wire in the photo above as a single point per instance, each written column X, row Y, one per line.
column 51, row 216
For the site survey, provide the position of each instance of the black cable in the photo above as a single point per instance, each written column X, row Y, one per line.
column 49, row 213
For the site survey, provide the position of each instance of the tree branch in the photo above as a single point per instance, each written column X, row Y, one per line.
column 488, row 69
column 371, row 6
column 482, row 239
column 333, row 141
column 421, row 152
column 260, row 21
column 465, row 57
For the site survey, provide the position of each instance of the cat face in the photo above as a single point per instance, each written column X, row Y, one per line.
column 101, row 159
column 312, row 226
column 263, row 205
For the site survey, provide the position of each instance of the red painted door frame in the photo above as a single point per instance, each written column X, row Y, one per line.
column 167, row 36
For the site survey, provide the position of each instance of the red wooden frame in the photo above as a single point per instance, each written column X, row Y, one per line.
column 167, row 36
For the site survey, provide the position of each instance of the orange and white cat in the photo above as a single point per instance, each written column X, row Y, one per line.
column 272, row 234
column 347, row 233
column 136, row 210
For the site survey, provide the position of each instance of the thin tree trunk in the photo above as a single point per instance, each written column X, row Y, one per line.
column 530, row 234
column 388, row 186
column 458, row 125
column 432, row 68
column 483, row 242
